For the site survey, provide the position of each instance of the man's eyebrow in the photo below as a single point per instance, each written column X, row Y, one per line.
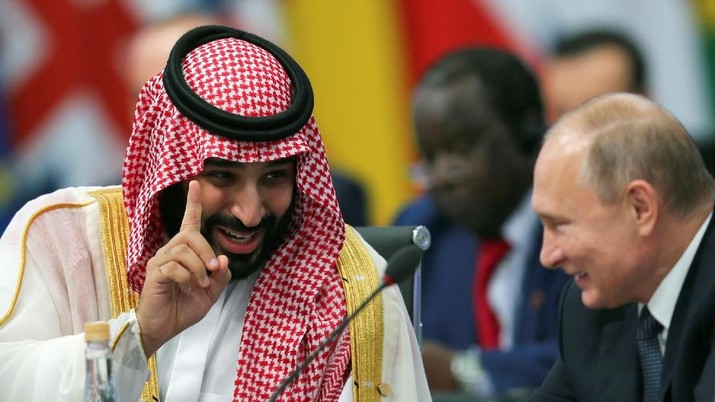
column 284, row 161
column 223, row 163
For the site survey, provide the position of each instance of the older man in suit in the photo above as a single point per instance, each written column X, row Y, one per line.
column 626, row 203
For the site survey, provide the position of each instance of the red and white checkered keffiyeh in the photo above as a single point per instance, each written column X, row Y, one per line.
column 298, row 298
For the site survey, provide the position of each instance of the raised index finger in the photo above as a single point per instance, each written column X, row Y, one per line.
column 192, row 214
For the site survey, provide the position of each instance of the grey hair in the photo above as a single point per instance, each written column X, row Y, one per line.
column 633, row 138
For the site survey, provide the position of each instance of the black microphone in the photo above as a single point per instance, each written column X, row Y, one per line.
column 400, row 266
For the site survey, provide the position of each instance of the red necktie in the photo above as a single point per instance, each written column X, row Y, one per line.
column 491, row 251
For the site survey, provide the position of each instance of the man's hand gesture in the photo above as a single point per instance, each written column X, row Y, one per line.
column 183, row 280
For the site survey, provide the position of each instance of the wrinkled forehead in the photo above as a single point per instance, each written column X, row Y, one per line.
column 559, row 166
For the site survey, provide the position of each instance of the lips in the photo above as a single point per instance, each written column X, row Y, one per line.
column 450, row 180
column 580, row 278
column 238, row 242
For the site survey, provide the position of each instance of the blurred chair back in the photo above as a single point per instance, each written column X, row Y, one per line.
column 386, row 240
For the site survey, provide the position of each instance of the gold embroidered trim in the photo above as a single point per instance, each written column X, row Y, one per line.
column 23, row 252
column 115, row 232
column 119, row 334
column 360, row 279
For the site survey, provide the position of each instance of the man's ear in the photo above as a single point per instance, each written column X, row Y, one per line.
column 643, row 202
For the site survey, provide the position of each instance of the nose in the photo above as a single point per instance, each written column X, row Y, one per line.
column 247, row 205
column 551, row 254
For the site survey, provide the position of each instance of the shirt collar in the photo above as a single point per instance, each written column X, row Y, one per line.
column 662, row 304
column 520, row 222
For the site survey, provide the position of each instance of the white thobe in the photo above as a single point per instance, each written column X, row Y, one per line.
column 53, row 280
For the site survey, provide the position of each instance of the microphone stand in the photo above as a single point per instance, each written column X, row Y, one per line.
column 400, row 266
column 333, row 335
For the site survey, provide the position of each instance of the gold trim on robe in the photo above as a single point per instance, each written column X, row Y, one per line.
column 115, row 233
column 360, row 279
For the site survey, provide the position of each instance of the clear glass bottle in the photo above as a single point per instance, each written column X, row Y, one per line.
column 99, row 384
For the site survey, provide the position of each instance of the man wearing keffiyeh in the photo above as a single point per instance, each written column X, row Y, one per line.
column 223, row 257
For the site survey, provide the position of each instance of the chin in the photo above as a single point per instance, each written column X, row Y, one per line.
column 595, row 300
column 244, row 266
column 592, row 300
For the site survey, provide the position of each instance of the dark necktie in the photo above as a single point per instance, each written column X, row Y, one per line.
column 649, row 352
column 491, row 251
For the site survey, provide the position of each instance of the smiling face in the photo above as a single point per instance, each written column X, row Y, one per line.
column 477, row 174
column 246, row 209
column 598, row 243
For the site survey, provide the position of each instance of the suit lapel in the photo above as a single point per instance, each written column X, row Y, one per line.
column 690, row 332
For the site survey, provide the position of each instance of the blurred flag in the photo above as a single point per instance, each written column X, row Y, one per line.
column 7, row 183
column 62, row 77
column 66, row 117
column 706, row 18
column 353, row 53
column 363, row 59
column 435, row 28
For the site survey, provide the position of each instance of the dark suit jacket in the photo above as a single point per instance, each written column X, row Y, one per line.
column 447, row 306
column 598, row 356
column 352, row 198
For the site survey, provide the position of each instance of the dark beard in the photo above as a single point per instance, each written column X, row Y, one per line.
column 172, row 204
column 244, row 265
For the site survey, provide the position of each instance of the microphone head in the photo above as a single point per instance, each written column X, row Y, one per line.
column 402, row 264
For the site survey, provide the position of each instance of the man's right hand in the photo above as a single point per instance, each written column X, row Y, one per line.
column 437, row 360
column 183, row 280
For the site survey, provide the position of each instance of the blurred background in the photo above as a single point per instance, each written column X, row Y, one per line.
column 66, row 107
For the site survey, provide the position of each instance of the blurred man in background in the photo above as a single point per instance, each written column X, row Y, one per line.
column 489, row 310
column 591, row 63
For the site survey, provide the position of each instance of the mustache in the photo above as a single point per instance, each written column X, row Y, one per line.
column 234, row 223
column 430, row 179
column 453, row 177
